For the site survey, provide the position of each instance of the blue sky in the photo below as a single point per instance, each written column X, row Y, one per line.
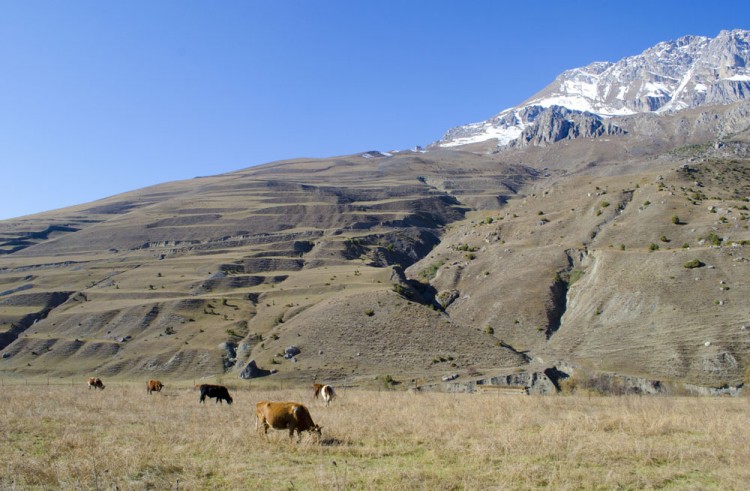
column 98, row 98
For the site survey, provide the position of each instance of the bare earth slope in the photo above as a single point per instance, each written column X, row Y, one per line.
column 409, row 266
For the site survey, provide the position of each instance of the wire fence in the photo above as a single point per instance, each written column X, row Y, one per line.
column 233, row 383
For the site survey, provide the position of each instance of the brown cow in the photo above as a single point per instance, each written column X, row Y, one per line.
column 291, row 416
column 154, row 385
column 96, row 383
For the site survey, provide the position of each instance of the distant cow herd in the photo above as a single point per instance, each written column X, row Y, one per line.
column 291, row 416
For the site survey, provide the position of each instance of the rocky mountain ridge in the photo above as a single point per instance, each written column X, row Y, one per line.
column 693, row 71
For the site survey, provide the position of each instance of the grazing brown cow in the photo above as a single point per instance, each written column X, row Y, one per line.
column 154, row 385
column 96, row 383
column 291, row 416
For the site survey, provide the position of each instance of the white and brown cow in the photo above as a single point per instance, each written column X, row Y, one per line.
column 325, row 391
column 96, row 383
column 154, row 386
column 291, row 416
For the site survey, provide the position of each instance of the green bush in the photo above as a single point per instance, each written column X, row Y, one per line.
column 653, row 247
column 431, row 270
column 714, row 239
column 693, row 263
column 575, row 275
column 398, row 288
column 388, row 381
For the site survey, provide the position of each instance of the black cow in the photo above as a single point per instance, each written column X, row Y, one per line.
column 218, row 392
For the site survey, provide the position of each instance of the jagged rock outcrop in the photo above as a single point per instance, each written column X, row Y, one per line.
column 252, row 370
column 558, row 123
column 544, row 381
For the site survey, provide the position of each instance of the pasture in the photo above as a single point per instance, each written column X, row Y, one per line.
column 65, row 437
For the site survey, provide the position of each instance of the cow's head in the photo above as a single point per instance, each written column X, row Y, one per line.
column 316, row 429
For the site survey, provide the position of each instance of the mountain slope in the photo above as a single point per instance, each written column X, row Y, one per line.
column 180, row 277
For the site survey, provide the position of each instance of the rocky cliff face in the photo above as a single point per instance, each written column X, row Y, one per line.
column 558, row 123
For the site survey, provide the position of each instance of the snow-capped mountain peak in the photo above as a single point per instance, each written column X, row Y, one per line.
column 689, row 72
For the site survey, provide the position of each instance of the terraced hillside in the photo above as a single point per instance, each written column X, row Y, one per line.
column 409, row 266
column 188, row 278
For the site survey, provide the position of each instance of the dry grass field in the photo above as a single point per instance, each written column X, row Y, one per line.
column 65, row 437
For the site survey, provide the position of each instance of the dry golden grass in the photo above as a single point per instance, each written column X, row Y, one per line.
column 66, row 437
